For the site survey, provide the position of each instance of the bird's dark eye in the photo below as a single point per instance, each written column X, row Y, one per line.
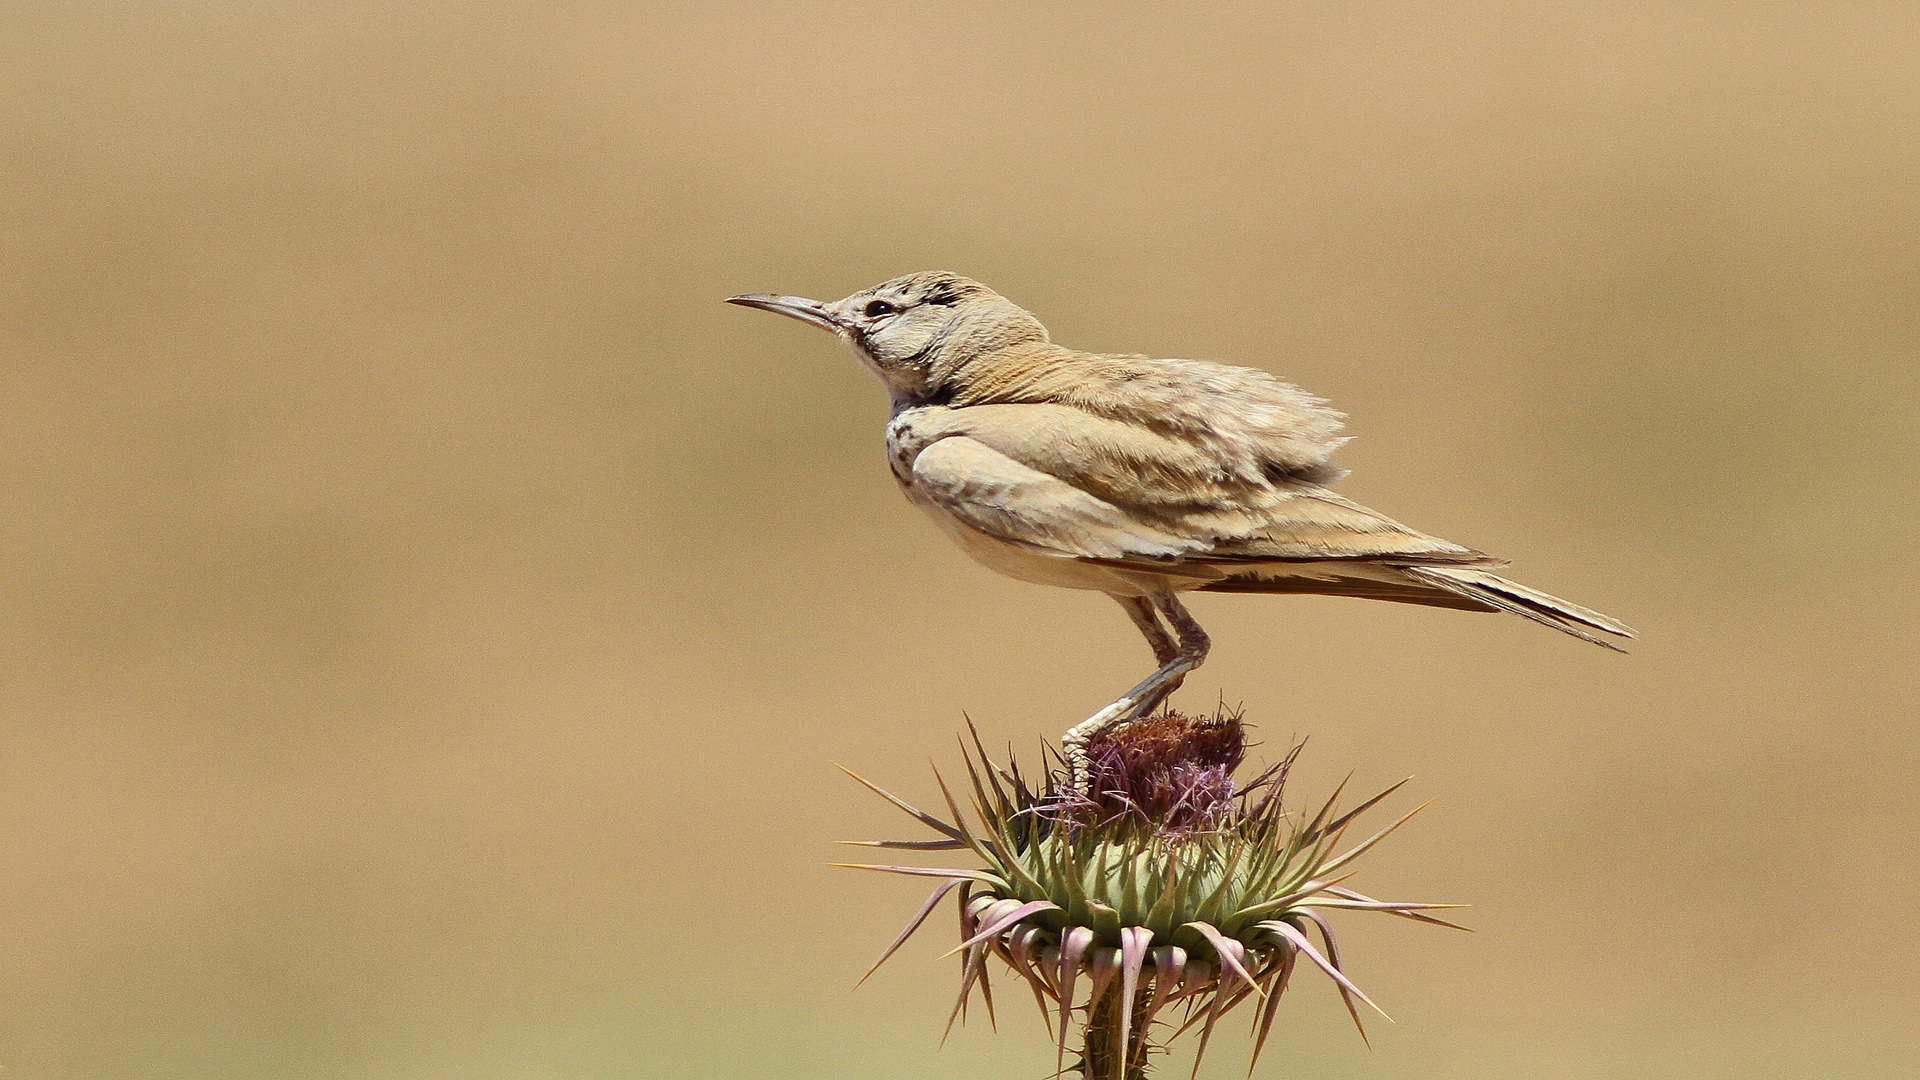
column 879, row 308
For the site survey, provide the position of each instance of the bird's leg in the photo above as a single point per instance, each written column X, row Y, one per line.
column 1144, row 616
column 1141, row 610
column 1193, row 642
column 1189, row 653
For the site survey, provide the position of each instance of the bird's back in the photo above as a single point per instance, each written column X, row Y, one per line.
column 1252, row 424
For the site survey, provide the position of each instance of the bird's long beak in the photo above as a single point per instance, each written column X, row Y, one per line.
column 794, row 307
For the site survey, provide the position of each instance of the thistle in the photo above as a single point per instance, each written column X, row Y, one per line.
column 1158, row 893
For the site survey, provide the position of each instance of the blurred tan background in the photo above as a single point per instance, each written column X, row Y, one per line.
column 430, row 614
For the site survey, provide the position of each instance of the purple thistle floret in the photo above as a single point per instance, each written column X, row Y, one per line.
column 1172, row 774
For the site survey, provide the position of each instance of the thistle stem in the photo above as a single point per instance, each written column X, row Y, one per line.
column 1102, row 1058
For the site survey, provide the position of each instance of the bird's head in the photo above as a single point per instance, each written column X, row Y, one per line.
column 918, row 332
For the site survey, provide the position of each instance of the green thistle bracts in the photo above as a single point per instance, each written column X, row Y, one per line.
column 1164, row 885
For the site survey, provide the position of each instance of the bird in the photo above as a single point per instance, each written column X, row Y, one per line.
column 1138, row 477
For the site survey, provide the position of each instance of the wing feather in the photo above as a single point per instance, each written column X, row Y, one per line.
column 1173, row 490
column 1011, row 501
column 1064, row 481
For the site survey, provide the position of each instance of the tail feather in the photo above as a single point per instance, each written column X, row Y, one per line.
column 1498, row 592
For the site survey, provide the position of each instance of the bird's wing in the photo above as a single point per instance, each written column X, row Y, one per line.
column 1174, row 494
column 1053, row 480
column 1010, row 501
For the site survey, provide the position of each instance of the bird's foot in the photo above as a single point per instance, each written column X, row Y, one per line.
column 1073, row 745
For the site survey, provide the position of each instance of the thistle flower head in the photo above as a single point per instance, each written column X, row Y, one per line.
column 1171, row 775
column 1162, row 886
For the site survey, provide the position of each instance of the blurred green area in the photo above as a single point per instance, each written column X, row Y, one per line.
column 430, row 614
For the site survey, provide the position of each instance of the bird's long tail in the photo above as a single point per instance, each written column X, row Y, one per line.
column 1497, row 592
